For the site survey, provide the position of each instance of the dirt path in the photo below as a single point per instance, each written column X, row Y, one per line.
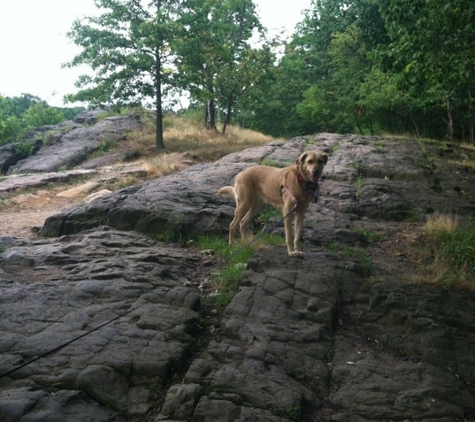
column 23, row 214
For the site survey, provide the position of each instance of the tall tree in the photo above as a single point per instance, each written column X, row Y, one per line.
column 432, row 44
column 128, row 49
column 215, row 60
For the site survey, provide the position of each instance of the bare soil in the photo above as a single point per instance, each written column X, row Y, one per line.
column 23, row 212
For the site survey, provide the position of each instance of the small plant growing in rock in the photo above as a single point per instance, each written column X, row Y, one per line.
column 359, row 185
column 107, row 144
column 268, row 162
column 370, row 235
column 358, row 255
column 226, row 279
column 23, row 149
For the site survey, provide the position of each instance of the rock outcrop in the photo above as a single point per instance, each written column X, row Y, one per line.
column 67, row 144
column 100, row 322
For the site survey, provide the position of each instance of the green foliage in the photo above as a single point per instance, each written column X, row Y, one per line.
column 216, row 62
column 128, row 48
column 23, row 149
column 19, row 114
column 374, row 66
column 40, row 114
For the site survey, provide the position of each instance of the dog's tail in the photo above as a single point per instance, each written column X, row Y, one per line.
column 227, row 190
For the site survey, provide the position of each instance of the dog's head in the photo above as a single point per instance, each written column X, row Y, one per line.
column 311, row 164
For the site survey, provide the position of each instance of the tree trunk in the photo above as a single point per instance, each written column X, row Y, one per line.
column 159, row 144
column 450, row 123
column 470, row 118
column 414, row 125
column 210, row 118
column 228, row 119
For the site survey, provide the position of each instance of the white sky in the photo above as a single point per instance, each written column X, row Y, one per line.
column 33, row 42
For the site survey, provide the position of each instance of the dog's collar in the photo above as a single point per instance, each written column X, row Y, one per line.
column 310, row 188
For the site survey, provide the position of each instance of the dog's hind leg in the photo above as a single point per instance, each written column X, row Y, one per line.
column 254, row 209
column 238, row 216
column 243, row 207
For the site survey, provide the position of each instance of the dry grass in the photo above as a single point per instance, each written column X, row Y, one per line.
column 448, row 252
column 186, row 142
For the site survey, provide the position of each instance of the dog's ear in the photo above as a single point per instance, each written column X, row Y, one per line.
column 301, row 159
column 325, row 158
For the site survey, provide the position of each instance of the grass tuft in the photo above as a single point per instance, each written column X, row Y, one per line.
column 228, row 277
column 449, row 253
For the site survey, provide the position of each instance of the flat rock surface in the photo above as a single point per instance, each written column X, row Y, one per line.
column 101, row 322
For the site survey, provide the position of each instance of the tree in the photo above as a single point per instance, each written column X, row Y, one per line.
column 432, row 44
column 215, row 61
column 128, row 49
column 12, row 112
column 41, row 114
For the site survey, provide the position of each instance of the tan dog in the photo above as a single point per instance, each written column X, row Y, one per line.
column 289, row 189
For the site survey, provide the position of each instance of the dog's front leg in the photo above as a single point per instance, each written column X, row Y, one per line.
column 297, row 233
column 288, row 223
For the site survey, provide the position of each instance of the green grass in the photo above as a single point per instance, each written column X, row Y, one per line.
column 359, row 185
column 370, row 235
column 358, row 255
column 226, row 279
column 271, row 163
column 449, row 252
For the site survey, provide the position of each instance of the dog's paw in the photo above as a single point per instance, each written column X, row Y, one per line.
column 296, row 254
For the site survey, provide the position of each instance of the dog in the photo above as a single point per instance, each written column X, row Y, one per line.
column 289, row 189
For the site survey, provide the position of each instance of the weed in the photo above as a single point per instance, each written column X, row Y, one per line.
column 217, row 244
column 170, row 235
column 290, row 412
column 49, row 137
column 268, row 162
column 359, row 185
column 267, row 214
column 107, row 143
column 370, row 235
column 336, row 147
column 359, row 255
column 309, row 142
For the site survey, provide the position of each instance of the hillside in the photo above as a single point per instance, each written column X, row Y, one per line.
column 111, row 310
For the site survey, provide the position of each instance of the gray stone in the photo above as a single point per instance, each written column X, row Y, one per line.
column 303, row 339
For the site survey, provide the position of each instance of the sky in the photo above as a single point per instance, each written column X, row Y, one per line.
column 33, row 42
